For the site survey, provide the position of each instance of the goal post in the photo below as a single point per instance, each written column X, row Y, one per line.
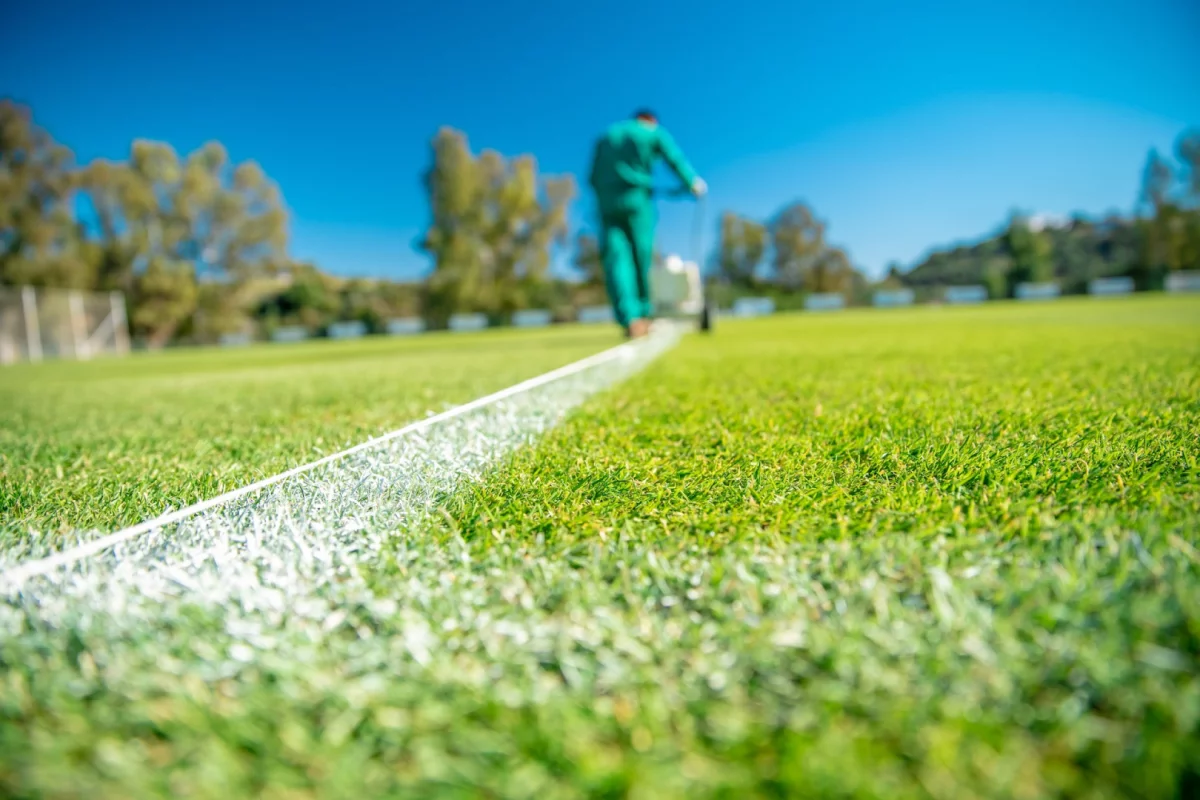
column 38, row 324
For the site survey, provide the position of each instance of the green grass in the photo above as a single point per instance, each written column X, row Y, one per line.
column 112, row 442
column 944, row 553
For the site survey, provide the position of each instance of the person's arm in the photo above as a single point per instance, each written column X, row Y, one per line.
column 675, row 158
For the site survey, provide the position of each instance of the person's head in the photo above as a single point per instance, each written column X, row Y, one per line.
column 646, row 116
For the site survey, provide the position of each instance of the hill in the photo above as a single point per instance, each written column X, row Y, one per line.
column 1080, row 250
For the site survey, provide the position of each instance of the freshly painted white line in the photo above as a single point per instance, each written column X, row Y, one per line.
column 16, row 576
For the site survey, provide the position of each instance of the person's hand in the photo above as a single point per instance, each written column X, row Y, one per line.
column 699, row 187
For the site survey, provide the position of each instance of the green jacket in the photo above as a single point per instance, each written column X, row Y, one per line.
column 623, row 164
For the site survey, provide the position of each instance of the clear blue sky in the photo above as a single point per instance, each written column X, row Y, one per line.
column 905, row 125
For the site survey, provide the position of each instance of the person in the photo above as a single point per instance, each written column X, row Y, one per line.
column 621, row 178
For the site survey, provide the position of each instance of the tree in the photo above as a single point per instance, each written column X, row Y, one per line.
column 114, row 247
column 1031, row 252
column 230, row 217
column 452, row 239
column 522, row 219
column 894, row 277
column 493, row 225
column 589, row 259
column 801, row 257
column 221, row 308
column 166, row 297
column 225, row 222
column 831, row 272
column 308, row 298
column 39, row 241
column 362, row 301
column 743, row 243
column 1080, row 251
column 177, row 237
column 1187, row 149
column 1169, row 227
column 797, row 244
column 400, row 299
column 1157, row 178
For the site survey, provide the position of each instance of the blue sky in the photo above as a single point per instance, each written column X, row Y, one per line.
column 905, row 126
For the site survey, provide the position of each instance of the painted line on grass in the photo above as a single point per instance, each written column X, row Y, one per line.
column 15, row 577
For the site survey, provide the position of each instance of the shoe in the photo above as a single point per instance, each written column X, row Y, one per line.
column 639, row 328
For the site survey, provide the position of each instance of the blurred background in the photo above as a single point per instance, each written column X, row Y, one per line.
column 194, row 173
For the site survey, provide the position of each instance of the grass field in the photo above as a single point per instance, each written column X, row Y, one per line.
column 932, row 553
column 106, row 444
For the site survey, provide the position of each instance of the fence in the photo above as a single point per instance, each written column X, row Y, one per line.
column 1037, row 291
column 468, row 322
column 532, row 318
column 241, row 339
column 1184, row 281
column 1110, row 286
column 959, row 295
column 753, row 307
column 289, row 333
column 352, row 329
column 405, row 326
column 892, row 298
column 37, row 324
column 595, row 314
column 827, row 301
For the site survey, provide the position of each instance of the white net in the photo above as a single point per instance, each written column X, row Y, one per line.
column 37, row 324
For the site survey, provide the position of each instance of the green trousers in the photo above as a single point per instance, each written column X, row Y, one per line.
column 627, row 246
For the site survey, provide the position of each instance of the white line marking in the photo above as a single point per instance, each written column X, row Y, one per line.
column 14, row 577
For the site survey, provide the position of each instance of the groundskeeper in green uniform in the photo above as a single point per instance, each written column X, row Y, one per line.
column 621, row 177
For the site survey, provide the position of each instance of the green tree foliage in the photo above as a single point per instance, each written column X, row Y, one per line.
column 1169, row 225
column 798, row 260
column 303, row 295
column 801, row 257
column 1187, row 150
column 227, row 220
column 893, row 278
column 1031, row 252
column 39, row 240
column 307, row 297
column 741, row 248
column 1164, row 234
column 792, row 243
column 797, row 246
column 833, row 272
column 588, row 259
column 361, row 301
column 1080, row 250
column 1157, row 180
column 400, row 299
column 180, row 237
column 220, row 309
column 115, row 246
column 166, row 298
column 231, row 217
column 493, row 225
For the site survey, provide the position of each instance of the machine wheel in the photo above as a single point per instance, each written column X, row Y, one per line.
column 707, row 317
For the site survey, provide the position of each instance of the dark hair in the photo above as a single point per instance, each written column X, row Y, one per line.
column 645, row 113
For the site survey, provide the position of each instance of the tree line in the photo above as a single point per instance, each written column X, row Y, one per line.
column 1161, row 235
column 198, row 244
